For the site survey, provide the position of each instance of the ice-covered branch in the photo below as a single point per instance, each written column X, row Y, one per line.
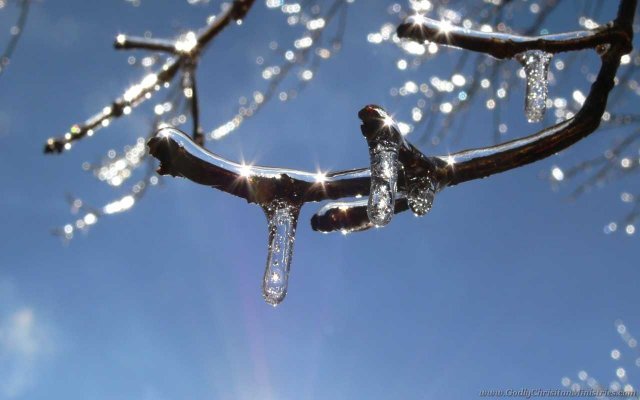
column 135, row 95
column 90, row 216
column 261, row 185
column 179, row 156
column 115, row 171
column 281, row 192
column 480, row 163
column 189, row 43
column 610, row 164
column 182, row 56
column 349, row 216
column 185, row 51
column 399, row 176
column 504, row 45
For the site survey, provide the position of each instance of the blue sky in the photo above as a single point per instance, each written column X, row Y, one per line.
column 505, row 284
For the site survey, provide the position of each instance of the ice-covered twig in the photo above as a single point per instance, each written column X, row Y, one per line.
column 90, row 216
column 184, row 51
column 190, row 43
column 115, row 172
column 504, row 45
column 349, row 216
column 609, row 163
column 135, row 95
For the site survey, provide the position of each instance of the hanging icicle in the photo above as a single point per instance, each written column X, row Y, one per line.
column 422, row 191
column 384, row 145
column 384, row 177
column 282, row 217
column 536, row 68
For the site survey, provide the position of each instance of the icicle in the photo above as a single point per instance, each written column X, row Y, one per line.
column 282, row 217
column 384, row 141
column 384, row 176
column 536, row 67
column 383, row 138
column 421, row 194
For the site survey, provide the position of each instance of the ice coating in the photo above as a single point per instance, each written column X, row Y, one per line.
column 384, row 141
column 500, row 45
column 384, row 178
column 469, row 156
column 132, row 97
column 168, row 133
column 428, row 27
column 536, row 67
column 282, row 218
column 349, row 216
column 421, row 195
column 340, row 205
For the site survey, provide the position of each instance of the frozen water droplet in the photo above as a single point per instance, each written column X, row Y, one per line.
column 536, row 68
column 384, row 177
column 282, row 217
column 421, row 194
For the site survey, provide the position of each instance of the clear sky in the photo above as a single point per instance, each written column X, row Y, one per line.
column 505, row 284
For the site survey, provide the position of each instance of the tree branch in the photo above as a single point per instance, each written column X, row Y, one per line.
column 480, row 163
column 187, row 49
column 181, row 156
column 503, row 45
column 349, row 216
